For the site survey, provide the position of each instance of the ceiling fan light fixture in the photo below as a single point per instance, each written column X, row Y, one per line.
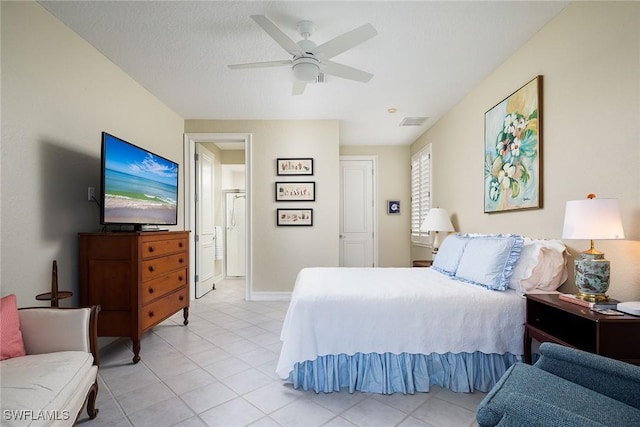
column 306, row 70
column 310, row 62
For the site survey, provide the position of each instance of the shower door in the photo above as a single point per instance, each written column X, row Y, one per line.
column 235, row 234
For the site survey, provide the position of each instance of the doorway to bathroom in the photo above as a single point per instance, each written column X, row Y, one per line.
column 231, row 170
column 235, row 234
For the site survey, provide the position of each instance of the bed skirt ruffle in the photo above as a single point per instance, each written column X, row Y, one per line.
column 401, row 373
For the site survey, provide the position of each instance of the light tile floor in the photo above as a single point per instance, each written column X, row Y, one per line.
column 220, row 371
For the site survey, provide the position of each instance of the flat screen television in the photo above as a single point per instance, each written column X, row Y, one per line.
column 139, row 187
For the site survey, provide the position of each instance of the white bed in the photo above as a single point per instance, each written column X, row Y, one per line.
column 388, row 330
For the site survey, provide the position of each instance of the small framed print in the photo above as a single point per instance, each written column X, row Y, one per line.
column 295, row 166
column 295, row 191
column 393, row 207
column 294, row 217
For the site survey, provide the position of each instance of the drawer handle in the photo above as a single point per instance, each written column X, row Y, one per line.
column 150, row 290
column 180, row 260
column 180, row 278
column 181, row 298
column 151, row 314
column 152, row 248
column 180, row 244
column 152, row 268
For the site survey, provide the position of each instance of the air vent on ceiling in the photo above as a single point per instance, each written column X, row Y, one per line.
column 413, row 121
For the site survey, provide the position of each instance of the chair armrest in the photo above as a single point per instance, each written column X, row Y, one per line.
column 47, row 330
column 526, row 411
column 613, row 378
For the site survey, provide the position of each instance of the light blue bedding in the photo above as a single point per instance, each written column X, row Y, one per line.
column 404, row 373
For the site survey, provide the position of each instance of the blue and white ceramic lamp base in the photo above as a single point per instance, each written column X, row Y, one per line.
column 592, row 276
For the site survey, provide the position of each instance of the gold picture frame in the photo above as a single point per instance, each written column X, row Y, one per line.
column 513, row 151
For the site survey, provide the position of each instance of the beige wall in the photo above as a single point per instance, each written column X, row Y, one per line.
column 58, row 95
column 393, row 183
column 232, row 157
column 589, row 56
column 278, row 253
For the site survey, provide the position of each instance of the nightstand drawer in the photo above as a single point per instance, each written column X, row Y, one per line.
column 550, row 319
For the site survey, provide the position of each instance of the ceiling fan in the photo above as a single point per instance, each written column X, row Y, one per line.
column 310, row 61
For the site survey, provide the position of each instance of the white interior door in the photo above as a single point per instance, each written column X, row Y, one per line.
column 357, row 244
column 205, row 221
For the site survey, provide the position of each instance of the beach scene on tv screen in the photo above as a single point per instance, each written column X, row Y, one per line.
column 140, row 188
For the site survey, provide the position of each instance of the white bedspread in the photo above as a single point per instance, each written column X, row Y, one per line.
column 396, row 310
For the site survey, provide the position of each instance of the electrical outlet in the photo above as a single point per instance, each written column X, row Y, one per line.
column 91, row 193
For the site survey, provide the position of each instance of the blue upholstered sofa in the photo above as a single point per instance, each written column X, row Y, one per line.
column 565, row 387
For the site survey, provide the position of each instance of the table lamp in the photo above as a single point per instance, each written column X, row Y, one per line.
column 592, row 219
column 437, row 220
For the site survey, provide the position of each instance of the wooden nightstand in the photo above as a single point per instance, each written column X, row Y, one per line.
column 422, row 262
column 550, row 319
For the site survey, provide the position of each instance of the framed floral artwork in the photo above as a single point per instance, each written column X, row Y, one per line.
column 512, row 151
column 293, row 217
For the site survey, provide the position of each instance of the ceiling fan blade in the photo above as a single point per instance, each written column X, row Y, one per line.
column 346, row 72
column 345, row 42
column 298, row 87
column 276, row 33
column 261, row 64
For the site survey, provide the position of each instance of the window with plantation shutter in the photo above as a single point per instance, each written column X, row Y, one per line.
column 420, row 193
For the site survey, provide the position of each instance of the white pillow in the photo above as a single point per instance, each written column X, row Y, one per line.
column 488, row 261
column 530, row 257
column 550, row 273
column 448, row 257
column 542, row 265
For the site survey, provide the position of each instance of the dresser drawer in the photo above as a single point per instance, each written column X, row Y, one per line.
column 154, row 268
column 157, row 288
column 159, row 310
column 153, row 248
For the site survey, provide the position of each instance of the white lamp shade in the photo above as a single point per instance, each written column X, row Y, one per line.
column 437, row 220
column 592, row 219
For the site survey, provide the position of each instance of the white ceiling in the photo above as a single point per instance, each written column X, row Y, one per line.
column 426, row 57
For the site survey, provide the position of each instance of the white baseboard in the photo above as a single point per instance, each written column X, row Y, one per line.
column 218, row 278
column 270, row 296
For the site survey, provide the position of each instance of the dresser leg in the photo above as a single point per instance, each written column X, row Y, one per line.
column 185, row 313
column 136, row 350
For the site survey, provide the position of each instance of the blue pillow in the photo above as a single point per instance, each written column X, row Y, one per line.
column 489, row 260
column 448, row 257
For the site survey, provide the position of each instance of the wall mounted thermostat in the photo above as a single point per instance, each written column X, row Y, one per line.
column 393, row 207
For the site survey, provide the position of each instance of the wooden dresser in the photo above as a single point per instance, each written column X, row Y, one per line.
column 138, row 278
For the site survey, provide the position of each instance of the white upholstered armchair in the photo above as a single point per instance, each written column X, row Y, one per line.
column 50, row 385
